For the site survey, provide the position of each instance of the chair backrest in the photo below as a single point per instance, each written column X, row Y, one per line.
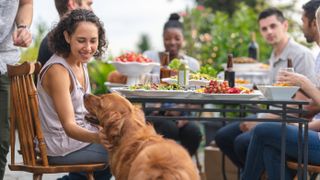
column 24, row 115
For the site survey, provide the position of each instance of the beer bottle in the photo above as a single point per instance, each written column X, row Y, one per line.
column 229, row 74
column 164, row 61
column 253, row 49
column 289, row 65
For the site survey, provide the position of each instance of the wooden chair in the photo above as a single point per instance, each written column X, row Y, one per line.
column 24, row 118
column 313, row 170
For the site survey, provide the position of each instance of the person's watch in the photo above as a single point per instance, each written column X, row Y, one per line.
column 22, row 26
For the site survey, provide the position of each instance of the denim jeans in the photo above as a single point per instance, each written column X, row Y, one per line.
column 265, row 150
column 233, row 142
column 93, row 153
column 4, row 122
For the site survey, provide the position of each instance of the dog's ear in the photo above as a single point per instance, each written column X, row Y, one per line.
column 113, row 126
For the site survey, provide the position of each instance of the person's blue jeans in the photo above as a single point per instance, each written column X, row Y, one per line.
column 265, row 150
column 93, row 153
column 4, row 123
column 233, row 142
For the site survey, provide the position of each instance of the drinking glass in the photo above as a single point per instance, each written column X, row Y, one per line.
column 150, row 78
column 290, row 69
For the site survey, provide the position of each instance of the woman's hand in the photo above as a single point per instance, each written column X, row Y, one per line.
column 291, row 78
column 247, row 125
column 103, row 137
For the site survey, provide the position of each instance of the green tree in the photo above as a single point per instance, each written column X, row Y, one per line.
column 144, row 43
column 211, row 36
column 230, row 6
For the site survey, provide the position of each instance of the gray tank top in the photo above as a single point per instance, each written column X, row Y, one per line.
column 57, row 141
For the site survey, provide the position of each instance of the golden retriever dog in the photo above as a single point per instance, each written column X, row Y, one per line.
column 136, row 151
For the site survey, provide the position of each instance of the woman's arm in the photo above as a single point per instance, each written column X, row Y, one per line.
column 57, row 83
column 314, row 125
column 300, row 80
column 22, row 36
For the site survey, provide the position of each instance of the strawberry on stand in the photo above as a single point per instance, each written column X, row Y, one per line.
column 133, row 57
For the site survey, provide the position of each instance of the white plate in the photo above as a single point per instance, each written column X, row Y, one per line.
column 153, row 93
column 112, row 85
column 255, row 94
column 191, row 82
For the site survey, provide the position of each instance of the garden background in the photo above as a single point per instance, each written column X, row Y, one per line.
column 213, row 28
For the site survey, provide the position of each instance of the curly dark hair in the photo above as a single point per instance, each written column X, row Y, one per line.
column 69, row 23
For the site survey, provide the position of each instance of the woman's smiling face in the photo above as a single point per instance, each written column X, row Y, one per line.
column 83, row 42
column 173, row 41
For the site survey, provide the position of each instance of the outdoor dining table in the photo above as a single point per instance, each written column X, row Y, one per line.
column 289, row 111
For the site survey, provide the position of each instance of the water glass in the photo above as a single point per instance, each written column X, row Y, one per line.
column 150, row 78
column 286, row 69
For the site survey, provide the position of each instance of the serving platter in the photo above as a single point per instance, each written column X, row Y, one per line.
column 254, row 94
column 152, row 93
column 192, row 82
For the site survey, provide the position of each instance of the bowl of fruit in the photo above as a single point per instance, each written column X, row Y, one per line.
column 278, row 91
column 133, row 65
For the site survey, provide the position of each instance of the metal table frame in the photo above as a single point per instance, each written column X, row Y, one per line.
column 285, row 112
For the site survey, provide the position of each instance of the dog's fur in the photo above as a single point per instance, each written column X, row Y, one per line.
column 136, row 152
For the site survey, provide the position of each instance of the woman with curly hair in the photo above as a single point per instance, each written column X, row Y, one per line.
column 62, row 82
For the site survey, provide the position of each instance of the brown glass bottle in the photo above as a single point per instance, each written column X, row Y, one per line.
column 289, row 65
column 229, row 74
column 253, row 49
column 164, row 61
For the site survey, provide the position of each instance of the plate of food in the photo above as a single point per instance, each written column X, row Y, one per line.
column 243, row 82
column 221, row 90
column 153, row 93
column 154, row 90
column 195, row 79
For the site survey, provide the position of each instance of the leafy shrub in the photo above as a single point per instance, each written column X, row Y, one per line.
column 210, row 37
column 98, row 72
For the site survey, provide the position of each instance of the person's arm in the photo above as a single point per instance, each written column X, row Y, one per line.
column 303, row 82
column 57, row 84
column 314, row 125
column 22, row 36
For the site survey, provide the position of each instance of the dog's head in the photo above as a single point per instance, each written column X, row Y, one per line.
column 115, row 114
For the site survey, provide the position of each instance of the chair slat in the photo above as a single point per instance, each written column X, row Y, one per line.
column 32, row 93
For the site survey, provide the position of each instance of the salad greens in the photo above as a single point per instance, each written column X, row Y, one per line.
column 154, row 86
column 175, row 64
